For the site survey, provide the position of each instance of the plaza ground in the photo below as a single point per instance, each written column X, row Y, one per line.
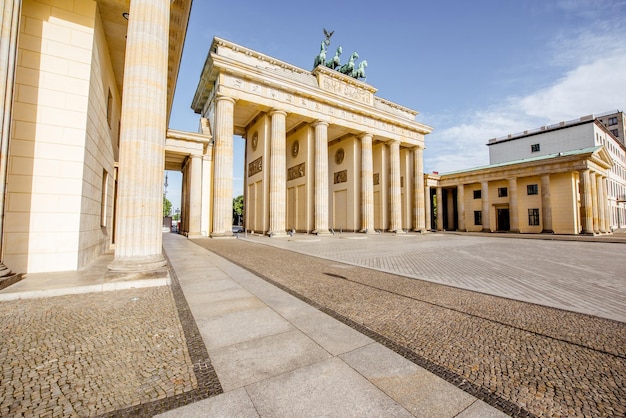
column 341, row 325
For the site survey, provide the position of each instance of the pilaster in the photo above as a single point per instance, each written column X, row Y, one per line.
column 546, row 204
column 195, row 198
column 602, row 202
column 427, row 208
column 513, row 206
column 484, row 194
column 594, row 202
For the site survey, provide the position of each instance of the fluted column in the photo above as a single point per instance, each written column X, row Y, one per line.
column 439, row 196
column 585, row 202
column 460, row 205
column 223, row 167
column 367, row 185
column 546, row 204
column 8, row 49
column 484, row 194
column 321, row 177
column 513, row 208
column 142, row 139
column 601, row 199
column 419, row 214
column 594, row 202
column 427, row 208
column 278, row 174
column 195, row 198
column 395, row 224
column 607, row 209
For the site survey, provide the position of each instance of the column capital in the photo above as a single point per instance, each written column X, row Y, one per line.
column 221, row 97
column 273, row 112
column 319, row 123
column 365, row 135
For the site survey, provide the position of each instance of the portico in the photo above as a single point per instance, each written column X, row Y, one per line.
column 322, row 154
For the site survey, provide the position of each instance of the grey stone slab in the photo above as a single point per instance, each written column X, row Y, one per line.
column 419, row 391
column 252, row 361
column 326, row 389
column 480, row 409
column 222, row 307
column 241, row 326
column 231, row 404
column 331, row 334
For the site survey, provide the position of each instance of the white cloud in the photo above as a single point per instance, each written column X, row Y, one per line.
column 593, row 81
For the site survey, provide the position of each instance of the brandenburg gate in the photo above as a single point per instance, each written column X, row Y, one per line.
column 323, row 153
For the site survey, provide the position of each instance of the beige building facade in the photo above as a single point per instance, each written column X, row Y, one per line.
column 323, row 152
column 87, row 91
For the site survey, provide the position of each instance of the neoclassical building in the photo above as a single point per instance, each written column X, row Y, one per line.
column 87, row 88
column 323, row 152
column 563, row 179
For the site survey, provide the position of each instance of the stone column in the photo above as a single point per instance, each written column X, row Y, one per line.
column 607, row 208
column 546, row 204
column 195, row 197
column 586, row 211
column 395, row 223
column 223, row 167
column 594, row 202
column 439, row 196
column 321, row 177
column 513, row 208
column 602, row 201
column 460, row 204
column 484, row 194
column 367, row 185
column 8, row 50
column 278, row 174
column 419, row 214
column 427, row 208
column 142, row 140
column 450, row 209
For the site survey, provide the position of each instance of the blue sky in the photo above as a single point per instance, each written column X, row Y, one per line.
column 474, row 70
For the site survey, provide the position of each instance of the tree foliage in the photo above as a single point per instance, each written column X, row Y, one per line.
column 167, row 206
column 238, row 206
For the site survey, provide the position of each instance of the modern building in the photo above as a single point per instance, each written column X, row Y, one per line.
column 87, row 88
column 567, row 178
column 615, row 122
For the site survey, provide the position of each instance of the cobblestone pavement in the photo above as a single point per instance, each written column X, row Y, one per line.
column 541, row 360
column 585, row 277
column 113, row 353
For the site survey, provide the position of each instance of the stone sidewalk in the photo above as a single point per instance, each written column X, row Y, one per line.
column 277, row 356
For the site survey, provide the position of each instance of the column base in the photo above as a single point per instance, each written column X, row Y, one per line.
column 153, row 269
column 398, row 231
column 228, row 234
column 486, row 230
column 322, row 232
column 547, row 231
column 368, row 231
column 279, row 234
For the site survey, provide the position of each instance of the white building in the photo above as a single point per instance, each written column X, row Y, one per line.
column 587, row 131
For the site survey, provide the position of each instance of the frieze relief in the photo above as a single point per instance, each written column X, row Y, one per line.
column 340, row 176
column 330, row 84
column 295, row 172
column 255, row 167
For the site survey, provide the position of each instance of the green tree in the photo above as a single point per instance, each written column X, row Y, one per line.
column 167, row 206
column 237, row 208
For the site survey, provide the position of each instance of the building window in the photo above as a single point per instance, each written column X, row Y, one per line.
column 103, row 198
column 478, row 217
column 613, row 121
column 532, row 189
column 615, row 133
column 533, row 217
column 477, row 194
column 503, row 192
column 535, row 148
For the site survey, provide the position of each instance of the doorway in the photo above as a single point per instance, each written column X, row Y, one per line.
column 503, row 221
